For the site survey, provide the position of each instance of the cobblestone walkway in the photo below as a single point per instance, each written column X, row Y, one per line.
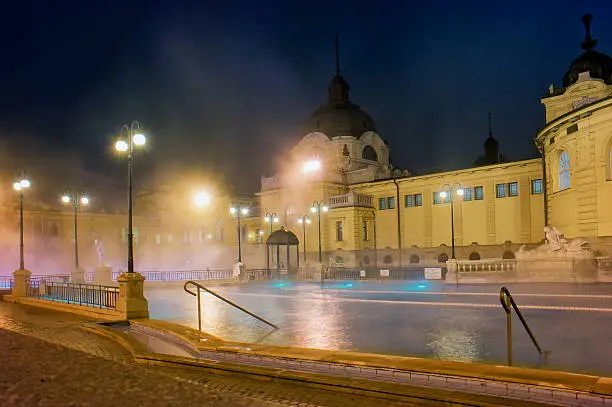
column 31, row 359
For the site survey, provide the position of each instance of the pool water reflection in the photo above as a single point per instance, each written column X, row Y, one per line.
column 429, row 319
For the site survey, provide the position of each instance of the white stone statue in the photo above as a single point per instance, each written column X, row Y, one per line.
column 101, row 251
column 558, row 245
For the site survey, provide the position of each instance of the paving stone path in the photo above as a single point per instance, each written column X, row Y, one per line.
column 48, row 360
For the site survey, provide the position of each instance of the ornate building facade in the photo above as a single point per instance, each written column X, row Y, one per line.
column 378, row 216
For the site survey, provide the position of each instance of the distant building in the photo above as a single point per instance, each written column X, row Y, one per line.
column 380, row 216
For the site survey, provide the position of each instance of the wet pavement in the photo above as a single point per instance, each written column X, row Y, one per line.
column 463, row 323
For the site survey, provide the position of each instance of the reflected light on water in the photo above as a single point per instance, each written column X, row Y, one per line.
column 455, row 344
column 320, row 325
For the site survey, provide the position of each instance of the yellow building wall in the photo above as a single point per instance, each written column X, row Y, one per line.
column 585, row 134
column 518, row 219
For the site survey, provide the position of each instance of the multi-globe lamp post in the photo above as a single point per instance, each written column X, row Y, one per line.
column 271, row 218
column 134, row 138
column 450, row 190
column 237, row 210
column 318, row 207
column 20, row 186
column 304, row 220
column 76, row 200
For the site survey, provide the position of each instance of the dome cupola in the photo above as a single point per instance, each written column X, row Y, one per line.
column 340, row 116
column 599, row 65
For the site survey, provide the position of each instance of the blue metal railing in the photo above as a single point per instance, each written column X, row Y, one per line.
column 98, row 296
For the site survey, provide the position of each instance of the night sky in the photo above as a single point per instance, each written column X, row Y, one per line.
column 227, row 86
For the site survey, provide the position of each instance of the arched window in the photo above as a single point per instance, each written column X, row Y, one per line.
column 564, row 171
column 366, row 259
column 474, row 256
column 388, row 259
column 339, row 261
column 369, row 154
column 442, row 258
column 414, row 259
column 508, row 255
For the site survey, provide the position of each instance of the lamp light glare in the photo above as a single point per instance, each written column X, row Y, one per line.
column 313, row 209
column 84, row 200
column 300, row 220
column 139, row 139
column 232, row 210
column 25, row 183
column 201, row 199
column 307, row 220
column 460, row 192
column 17, row 186
column 66, row 199
column 443, row 194
column 325, row 208
column 267, row 218
column 275, row 219
column 244, row 211
column 311, row 166
column 121, row 145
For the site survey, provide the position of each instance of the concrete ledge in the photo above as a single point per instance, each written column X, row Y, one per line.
column 378, row 389
column 100, row 313
column 544, row 378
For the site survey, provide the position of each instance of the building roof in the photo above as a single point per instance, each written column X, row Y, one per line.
column 598, row 64
column 340, row 116
column 282, row 237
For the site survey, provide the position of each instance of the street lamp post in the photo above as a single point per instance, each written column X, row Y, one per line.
column 304, row 220
column 134, row 138
column 271, row 218
column 449, row 191
column 236, row 210
column 317, row 207
column 76, row 200
column 20, row 186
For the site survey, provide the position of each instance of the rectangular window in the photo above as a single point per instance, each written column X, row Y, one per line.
column 339, row 230
column 467, row 194
column 437, row 198
column 536, row 186
column 513, row 189
column 259, row 235
column 478, row 193
column 391, row 202
column 418, row 200
column 500, row 190
column 408, row 201
column 365, row 230
column 382, row 204
column 572, row 129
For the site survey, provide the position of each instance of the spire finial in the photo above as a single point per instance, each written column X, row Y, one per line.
column 337, row 55
column 490, row 128
column 589, row 42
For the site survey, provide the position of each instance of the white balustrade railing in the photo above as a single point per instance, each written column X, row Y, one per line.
column 486, row 266
column 350, row 199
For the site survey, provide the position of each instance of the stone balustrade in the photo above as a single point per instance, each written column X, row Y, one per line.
column 350, row 199
column 486, row 266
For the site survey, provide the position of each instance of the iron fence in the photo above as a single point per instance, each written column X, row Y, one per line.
column 186, row 275
column 82, row 294
column 6, row 282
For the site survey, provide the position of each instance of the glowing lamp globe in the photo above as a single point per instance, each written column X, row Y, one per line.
column 139, row 139
column 121, row 145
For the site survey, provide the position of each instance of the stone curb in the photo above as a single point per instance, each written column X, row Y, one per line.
column 595, row 385
column 369, row 388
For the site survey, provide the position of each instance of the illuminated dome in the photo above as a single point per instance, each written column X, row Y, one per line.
column 340, row 116
column 598, row 65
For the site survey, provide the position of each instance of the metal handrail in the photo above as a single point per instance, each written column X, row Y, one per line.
column 508, row 303
column 197, row 294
